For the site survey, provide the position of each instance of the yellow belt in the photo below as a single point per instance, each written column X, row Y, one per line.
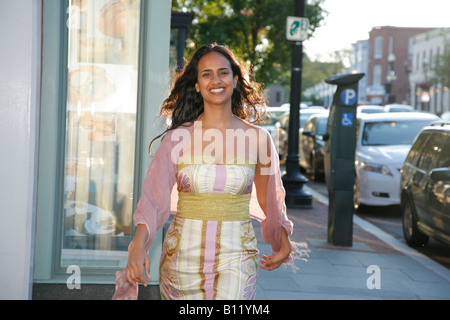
column 213, row 206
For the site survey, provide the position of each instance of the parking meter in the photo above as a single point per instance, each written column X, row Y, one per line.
column 339, row 161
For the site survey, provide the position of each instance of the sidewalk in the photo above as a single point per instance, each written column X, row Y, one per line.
column 343, row 273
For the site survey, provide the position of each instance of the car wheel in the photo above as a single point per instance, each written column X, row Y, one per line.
column 411, row 232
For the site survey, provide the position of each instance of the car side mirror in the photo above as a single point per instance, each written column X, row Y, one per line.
column 440, row 174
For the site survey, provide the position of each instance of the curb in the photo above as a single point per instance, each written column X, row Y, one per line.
column 391, row 241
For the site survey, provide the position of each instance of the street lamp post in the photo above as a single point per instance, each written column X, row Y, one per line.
column 293, row 181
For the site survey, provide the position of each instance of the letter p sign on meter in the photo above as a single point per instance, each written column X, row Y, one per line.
column 348, row 97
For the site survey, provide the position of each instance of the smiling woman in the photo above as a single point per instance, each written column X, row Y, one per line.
column 210, row 250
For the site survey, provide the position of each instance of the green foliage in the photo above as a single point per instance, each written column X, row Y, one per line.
column 253, row 29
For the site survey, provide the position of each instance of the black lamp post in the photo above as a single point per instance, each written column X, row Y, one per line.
column 293, row 180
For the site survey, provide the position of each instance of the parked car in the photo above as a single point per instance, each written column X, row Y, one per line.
column 274, row 116
column 446, row 116
column 284, row 126
column 383, row 142
column 425, row 187
column 398, row 108
column 312, row 146
column 288, row 106
column 271, row 123
column 370, row 109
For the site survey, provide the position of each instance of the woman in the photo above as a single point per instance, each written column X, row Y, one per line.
column 214, row 157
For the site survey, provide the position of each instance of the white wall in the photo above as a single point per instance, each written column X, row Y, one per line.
column 20, row 41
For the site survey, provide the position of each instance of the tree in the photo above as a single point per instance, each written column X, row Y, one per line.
column 315, row 72
column 253, row 29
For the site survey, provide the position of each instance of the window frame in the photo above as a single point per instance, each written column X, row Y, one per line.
column 377, row 75
column 378, row 47
column 154, row 27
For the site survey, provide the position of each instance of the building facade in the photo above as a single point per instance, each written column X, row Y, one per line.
column 429, row 91
column 360, row 64
column 81, row 85
column 390, row 57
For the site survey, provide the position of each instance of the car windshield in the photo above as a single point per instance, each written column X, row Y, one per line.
column 371, row 110
column 399, row 109
column 274, row 118
column 389, row 133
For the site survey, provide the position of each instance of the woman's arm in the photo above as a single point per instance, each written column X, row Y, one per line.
column 261, row 180
column 153, row 209
column 138, row 260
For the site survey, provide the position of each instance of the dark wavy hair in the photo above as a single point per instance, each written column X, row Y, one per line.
column 184, row 104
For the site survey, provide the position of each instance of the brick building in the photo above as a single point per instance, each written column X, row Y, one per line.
column 390, row 56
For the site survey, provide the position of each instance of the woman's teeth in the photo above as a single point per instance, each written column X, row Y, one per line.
column 216, row 90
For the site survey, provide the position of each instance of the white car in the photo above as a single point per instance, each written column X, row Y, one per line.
column 370, row 109
column 396, row 107
column 383, row 142
column 446, row 116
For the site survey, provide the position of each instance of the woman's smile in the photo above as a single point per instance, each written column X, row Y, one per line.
column 219, row 90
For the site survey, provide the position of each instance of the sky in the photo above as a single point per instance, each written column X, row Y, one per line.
column 351, row 20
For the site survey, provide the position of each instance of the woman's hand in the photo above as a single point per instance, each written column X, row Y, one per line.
column 274, row 261
column 138, row 260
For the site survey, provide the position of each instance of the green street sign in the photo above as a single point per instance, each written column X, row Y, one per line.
column 297, row 28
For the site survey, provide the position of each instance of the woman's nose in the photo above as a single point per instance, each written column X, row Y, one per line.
column 217, row 78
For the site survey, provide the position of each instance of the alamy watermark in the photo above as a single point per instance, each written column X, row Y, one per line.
column 74, row 280
column 373, row 281
column 249, row 146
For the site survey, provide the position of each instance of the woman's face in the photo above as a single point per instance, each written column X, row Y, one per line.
column 215, row 79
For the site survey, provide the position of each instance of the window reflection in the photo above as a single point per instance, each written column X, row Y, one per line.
column 100, row 131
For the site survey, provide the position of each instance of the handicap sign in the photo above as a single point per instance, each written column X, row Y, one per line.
column 348, row 97
column 347, row 119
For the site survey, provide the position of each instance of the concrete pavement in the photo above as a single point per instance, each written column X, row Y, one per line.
column 376, row 267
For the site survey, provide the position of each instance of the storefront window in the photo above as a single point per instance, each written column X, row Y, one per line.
column 103, row 50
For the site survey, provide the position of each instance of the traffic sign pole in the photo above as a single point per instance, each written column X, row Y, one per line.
column 293, row 180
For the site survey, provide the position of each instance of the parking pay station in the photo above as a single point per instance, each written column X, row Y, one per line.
column 339, row 159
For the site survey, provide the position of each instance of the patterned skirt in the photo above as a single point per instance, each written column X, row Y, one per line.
column 209, row 260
